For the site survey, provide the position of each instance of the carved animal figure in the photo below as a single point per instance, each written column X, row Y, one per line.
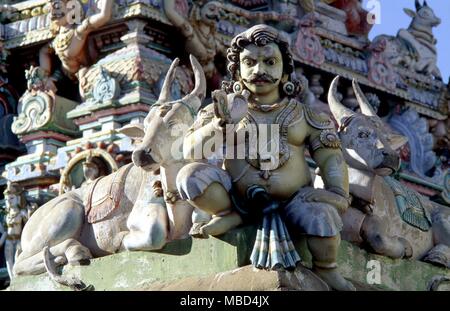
column 415, row 47
column 119, row 212
column 394, row 221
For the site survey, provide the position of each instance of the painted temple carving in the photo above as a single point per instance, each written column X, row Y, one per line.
column 85, row 92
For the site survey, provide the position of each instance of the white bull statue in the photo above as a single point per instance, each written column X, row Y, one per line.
column 120, row 211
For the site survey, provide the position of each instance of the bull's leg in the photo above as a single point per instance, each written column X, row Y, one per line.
column 148, row 228
column 374, row 232
column 57, row 224
column 68, row 251
column 440, row 253
column 207, row 187
column 180, row 219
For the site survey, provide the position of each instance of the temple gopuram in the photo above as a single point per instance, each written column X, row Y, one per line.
column 68, row 91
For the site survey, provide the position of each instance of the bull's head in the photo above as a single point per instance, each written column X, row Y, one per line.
column 424, row 17
column 367, row 143
column 166, row 120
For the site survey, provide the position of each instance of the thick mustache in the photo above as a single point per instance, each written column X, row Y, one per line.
column 57, row 16
column 262, row 77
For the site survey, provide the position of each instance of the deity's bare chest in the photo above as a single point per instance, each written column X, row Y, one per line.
column 273, row 133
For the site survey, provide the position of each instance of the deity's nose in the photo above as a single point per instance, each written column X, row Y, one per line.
column 259, row 69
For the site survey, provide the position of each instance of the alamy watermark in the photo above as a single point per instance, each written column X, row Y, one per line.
column 374, row 9
column 374, row 274
column 255, row 142
column 71, row 10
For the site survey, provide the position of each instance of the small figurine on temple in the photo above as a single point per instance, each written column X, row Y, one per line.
column 272, row 188
column 17, row 214
column 91, row 171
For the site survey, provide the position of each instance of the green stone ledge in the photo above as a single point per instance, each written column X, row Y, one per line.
column 223, row 264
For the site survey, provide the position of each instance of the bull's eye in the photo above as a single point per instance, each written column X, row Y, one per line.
column 363, row 135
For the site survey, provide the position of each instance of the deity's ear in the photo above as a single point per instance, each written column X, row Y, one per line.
column 134, row 131
column 410, row 12
column 284, row 78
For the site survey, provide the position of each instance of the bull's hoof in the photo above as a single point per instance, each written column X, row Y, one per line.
column 408, row 248
column 439, row 255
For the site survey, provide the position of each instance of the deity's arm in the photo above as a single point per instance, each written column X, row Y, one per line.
column 97, row 20
column 45, row 58
column 176, row 19
column 325, row 149
column 206, row 125
column 333, row 169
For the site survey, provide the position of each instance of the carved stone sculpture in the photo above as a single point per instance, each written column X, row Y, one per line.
column 264, row 186
column 71, row 36
column 122, row 210
column 414, row 48
column 388, row 217
column 356, row 17
column 199, row 29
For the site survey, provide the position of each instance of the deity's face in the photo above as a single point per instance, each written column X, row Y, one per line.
column 11, row 201
column 261, row 69
column 58, row 11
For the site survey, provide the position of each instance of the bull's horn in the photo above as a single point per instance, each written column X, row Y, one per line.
column 366, row 108
column 425, row 3
column 339, row 111
column 195, row 98
column 165, row 94
column 418, row 5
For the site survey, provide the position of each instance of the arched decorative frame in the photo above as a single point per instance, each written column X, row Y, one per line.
column 80, row 157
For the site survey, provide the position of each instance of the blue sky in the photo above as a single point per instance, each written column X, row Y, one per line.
column 393, row 18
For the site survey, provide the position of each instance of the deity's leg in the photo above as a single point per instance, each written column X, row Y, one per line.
column 206, row 187
column 322, row 225
column 324, row 251
column 10, row 250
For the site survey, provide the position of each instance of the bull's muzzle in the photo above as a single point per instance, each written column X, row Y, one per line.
column 142, row 158
column 390, row 164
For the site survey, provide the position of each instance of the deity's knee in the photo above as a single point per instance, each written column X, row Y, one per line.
column 205, row 186
column 313, row 218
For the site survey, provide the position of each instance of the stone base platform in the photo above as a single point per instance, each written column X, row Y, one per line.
column 223, row 264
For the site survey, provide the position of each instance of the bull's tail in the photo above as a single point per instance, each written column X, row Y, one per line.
column 73, row 282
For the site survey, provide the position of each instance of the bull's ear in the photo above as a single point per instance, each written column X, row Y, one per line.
column 134, row 131
column 397, row 141
column 410, row 12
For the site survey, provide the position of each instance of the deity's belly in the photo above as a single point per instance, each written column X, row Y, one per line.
column 282, row 183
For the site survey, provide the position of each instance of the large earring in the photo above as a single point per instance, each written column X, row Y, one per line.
column 289, row 88
column 238, row 87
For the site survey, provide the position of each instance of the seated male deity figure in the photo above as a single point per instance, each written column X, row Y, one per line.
column 70, row 43
column 263, row 93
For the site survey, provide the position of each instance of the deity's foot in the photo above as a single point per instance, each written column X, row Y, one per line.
column 334, row 279
column 196, row 231
column 221, row 224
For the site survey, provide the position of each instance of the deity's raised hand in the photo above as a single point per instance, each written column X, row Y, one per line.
column 230, row 108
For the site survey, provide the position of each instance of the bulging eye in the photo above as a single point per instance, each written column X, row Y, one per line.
column 271, row 61
column 249, row 62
